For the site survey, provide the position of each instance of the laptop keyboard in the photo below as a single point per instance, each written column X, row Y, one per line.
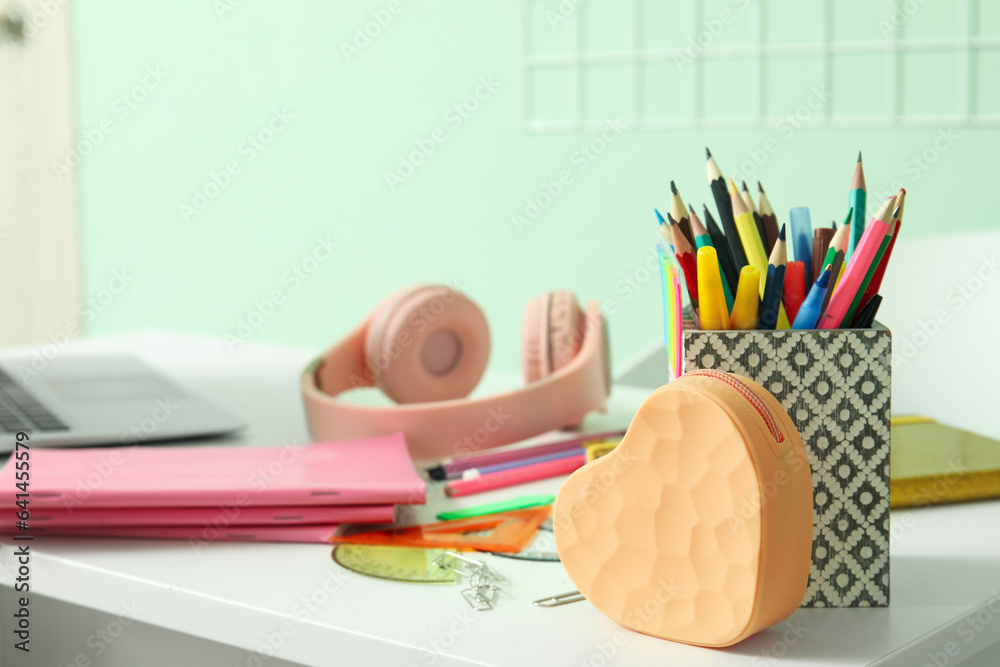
column 20, row 411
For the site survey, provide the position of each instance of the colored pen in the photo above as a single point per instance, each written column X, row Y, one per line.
column 802, row 238
column 857, row 267
column 704, row 240
column 857, row 198
column 811, row 308
column 821, row 243
column 747, row 299
column 795, row 288
column 713, row 314
column 770, row 304
column 522, row 475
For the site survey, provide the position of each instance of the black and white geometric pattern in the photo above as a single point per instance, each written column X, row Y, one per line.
column 835, row 386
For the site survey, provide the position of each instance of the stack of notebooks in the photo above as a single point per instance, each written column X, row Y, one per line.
column 294, row 493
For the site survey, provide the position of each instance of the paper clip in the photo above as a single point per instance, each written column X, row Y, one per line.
column 482, row 590
column 559, row 600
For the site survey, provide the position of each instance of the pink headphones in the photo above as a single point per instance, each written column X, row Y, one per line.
column 426, row 347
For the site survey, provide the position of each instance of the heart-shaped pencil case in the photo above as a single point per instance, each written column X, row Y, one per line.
column 698, row 527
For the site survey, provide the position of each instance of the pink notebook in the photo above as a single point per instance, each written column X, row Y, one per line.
column 307, row 533
column 367, row 471
column 219, row 517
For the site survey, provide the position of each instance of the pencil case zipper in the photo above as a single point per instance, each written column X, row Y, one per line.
column 746, row 392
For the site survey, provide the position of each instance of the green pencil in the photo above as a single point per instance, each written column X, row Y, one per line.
column 858, row 199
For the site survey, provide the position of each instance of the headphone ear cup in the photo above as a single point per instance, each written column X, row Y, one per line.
column 427, row 343
column 551, row 334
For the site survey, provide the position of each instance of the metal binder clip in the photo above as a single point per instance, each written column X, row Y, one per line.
column 559, row 600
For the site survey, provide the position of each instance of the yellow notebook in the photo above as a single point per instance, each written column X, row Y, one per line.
column 933, row 463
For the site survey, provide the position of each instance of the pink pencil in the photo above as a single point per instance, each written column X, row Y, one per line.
column 522, row 475
column 857, row 268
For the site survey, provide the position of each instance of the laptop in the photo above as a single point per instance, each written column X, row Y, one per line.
column 100, row 400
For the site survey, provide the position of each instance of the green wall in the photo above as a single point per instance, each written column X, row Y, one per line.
column 200, row 80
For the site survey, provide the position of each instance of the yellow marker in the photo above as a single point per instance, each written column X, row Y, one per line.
column 746, row 301
column 714, row 314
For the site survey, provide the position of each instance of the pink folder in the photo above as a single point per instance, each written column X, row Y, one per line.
column 220, row 517
column 197, row 535
column 366, row 471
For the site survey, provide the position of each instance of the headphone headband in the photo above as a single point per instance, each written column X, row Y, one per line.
column 456, row 427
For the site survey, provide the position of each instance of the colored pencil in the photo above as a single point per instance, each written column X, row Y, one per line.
column 510, row 465
column 678, row 214
column 685, row 257
column 856, row 303
column 768, row 217
column 522, row 475
column 836, row 266
column 771, row 302
column 703, row 239
column 725, row 206
column 729, row 270
column 664, row 229
column 858, row 198
column 753, row 247
column 493, row 457
column 876, row 282
column 748, row 200
column 821, row 242
column 795, row 288
column 857, row 267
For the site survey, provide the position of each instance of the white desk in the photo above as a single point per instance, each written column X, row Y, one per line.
column 229, row 598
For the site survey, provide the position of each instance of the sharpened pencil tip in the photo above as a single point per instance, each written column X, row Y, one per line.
column 673, row 187
column 895, row 213
column 859, row 156
column 691, row 208
column 760, row 188
column 708, row 153
column 745, row 186
column 781, row 234
column 659, row 217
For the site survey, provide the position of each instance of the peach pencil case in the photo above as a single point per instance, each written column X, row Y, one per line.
column 698, row 527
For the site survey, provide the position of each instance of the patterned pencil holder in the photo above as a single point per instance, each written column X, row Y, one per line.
column 835, row 385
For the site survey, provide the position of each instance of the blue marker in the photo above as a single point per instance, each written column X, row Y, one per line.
column 802, row 238
column 812, row 307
